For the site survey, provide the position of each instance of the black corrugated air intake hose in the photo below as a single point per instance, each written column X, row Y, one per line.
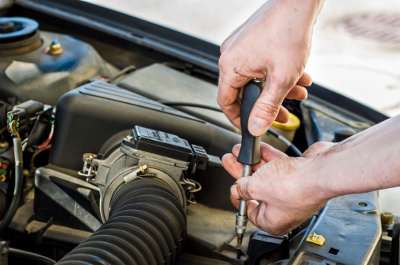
column 146, row 225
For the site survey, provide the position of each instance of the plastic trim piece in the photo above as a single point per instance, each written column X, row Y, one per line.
column 352, row 230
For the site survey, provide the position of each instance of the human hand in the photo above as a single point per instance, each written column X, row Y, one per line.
column 282, row 193
column 273, row 44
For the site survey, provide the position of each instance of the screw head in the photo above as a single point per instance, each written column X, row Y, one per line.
column 3, row 247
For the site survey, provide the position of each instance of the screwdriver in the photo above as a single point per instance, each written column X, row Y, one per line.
column 249, row 154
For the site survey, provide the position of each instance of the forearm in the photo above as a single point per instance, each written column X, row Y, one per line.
column 295, row 18
column 305, row 10
column 365, row 162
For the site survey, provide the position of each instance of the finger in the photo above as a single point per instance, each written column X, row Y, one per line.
column 298, row 92
column 251, row 206
column 235, row 202
column 267, row 153
column 253, row 211
column 229, row 104
column 234, row 168
column 228, row 94
column 258, row 215
column 305, row 80
column 254, row 187
column 270, row 153
column 236, row 150
column 248, row 188
column 239, row 190
column 283, row 115
column 268, row 105
column 235, row 195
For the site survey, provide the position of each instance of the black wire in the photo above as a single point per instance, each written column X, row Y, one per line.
column 310, row 225
column 197, row 105
column 189, row 104
column 17, row 186
column 31, row 256
column 124, row 71
column 285, row 141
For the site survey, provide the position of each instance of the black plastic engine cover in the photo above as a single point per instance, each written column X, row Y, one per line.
column 89, row 115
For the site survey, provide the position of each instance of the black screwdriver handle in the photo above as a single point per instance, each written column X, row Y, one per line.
column 250, row 150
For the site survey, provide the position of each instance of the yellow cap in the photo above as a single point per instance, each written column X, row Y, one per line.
column 292, row 124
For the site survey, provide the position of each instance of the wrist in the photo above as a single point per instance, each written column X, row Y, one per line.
column 325, row 176
column 339, row 168
column 320, row 182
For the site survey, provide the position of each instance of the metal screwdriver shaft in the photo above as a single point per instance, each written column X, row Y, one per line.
column 249, row 153
column 241, row 217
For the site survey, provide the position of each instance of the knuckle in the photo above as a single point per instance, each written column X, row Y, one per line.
column 282, row 81
column 279, row 79
column 223, row 60
column 233, row 191
column 267, row 109
column 231, row 66
column 259, row 222
column 274, row 227
column 252, row 188
column 242, row 189
column 318, row 145
column 221, row 102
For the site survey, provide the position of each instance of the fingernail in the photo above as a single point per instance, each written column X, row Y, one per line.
column 257, row 126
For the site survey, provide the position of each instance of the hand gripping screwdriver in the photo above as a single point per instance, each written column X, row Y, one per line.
column 249, row 152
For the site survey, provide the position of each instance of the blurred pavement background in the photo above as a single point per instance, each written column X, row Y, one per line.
column 356, row 45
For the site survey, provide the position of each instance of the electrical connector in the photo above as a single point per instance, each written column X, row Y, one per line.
column 21, row 117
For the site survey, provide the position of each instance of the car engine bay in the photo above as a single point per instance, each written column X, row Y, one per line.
column 110, row 148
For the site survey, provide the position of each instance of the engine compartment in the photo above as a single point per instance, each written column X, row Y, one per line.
column 121, row 146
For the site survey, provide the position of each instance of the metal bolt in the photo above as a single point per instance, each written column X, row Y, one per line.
column 3, row 253
column 143, row 168
column 387, row 218
column 3, row 247
column 55, row 48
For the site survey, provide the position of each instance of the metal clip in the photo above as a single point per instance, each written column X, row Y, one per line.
column 88, row 170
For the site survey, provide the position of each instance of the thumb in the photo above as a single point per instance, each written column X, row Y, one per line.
column 267, row 106
column 239, row 190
